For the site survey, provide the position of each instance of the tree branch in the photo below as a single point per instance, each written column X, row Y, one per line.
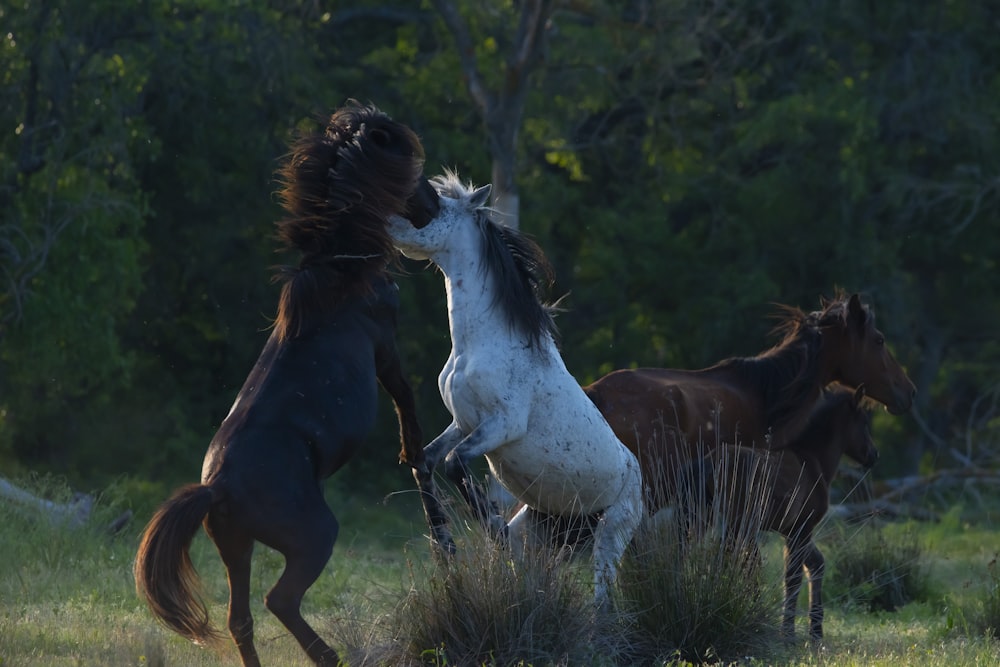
column 467, row 55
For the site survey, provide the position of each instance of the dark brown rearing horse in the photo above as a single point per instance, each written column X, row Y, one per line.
column 668, row 416
column 790, row 488
column 310, row 400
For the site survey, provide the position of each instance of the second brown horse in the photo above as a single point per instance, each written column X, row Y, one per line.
column 668, row 416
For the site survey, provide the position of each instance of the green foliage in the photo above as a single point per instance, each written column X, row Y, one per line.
column 877, row 570
column 71, row 242
column 683, row 166
column 989, row 620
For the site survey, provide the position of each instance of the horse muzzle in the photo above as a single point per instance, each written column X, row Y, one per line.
column 423, row 205
column 871, row 459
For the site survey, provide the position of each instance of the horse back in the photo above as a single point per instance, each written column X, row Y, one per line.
column 659, row 410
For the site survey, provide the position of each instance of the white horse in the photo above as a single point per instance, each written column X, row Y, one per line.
column 508, row 390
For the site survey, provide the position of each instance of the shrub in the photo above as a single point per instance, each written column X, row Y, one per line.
column 483, row 607
column 693, row 592
column 877, row 570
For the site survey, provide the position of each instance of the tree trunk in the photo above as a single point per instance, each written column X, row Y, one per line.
column 502, row 110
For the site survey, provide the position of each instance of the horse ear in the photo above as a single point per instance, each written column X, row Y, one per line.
column 859, row 394
column 856, row 311
column 480, row 195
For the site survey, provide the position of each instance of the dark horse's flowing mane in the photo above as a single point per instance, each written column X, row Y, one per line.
column 788, row 371
column 520, row 269
column 338, row 189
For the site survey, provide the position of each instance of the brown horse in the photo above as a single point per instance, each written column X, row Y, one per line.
column 790, row 488
column 310, row 400
column 667, row 416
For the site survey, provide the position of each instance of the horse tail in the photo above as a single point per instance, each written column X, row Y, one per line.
column 164, row 575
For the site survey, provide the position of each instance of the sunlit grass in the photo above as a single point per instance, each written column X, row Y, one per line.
column 67, row 595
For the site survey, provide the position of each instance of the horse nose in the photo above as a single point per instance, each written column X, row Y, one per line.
column 423, row 205
column 872, row 458
column 903, row 400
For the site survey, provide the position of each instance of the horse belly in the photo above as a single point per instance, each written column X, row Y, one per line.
column 567, row 473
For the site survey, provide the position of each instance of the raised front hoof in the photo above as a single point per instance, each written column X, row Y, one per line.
column 328, row 658
column 496, row 528
column 418, row 464
column 604, row 608
column 443, row 546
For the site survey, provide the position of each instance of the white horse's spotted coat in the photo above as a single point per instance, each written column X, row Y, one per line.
column 516, row 403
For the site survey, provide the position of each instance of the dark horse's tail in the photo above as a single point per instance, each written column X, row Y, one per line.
column 164, row 575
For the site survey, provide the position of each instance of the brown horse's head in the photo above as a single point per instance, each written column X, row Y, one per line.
column 856, row 354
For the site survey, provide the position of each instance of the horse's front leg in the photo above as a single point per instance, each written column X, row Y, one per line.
column 815, row 564
column 437, row 518
column 491, row 433
column 794, row 557
column 411, row 437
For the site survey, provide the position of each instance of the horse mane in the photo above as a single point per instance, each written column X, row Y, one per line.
column 338, row 189
column 520, row 269
column 787, row 372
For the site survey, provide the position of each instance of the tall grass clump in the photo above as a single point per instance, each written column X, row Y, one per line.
column 978, row 615
column 991, row 602
column 876, row 570
column 693, row 586
column 484, row 606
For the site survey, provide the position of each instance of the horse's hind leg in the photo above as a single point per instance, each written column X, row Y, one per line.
column 236, row 555
column 307, row 547
column 613, row 533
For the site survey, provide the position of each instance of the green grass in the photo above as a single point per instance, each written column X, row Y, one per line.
column 67, row 596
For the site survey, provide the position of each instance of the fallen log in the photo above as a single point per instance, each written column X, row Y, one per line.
column 73, row 513
column 922, row 484
column 880, row 509
column 899, row 498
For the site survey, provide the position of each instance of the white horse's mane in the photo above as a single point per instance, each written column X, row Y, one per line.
column 451, row 186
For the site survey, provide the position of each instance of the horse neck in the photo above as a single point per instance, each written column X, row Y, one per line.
column 831, row 354
column 471, row 298
column 790, row 381
column 822, row 445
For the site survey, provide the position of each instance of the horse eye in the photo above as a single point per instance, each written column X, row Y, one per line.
column 880, row 340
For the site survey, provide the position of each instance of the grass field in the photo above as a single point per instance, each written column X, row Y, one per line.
column 67, row 595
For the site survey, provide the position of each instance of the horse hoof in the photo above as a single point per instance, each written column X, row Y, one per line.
column 444, row 546
column 497, row 529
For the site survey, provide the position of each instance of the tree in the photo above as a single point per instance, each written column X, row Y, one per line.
column 499, row 90
column 70, row 241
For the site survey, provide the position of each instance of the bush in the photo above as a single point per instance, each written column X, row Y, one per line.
column 483, row 607
column 877, row 570
column 693, row 584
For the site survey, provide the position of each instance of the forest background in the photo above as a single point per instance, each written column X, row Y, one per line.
column 685, row 164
